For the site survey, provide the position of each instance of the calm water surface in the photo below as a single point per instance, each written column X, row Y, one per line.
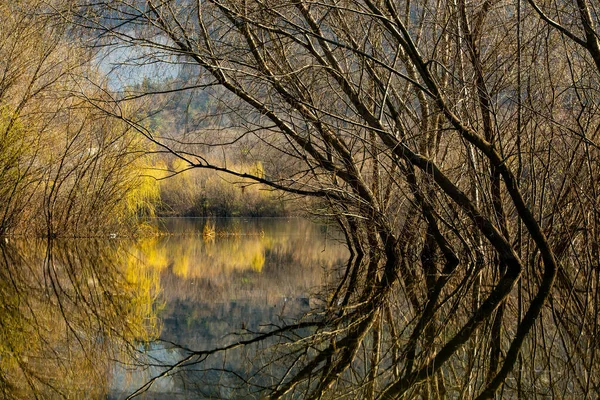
column 244, row 275
column 97, row 319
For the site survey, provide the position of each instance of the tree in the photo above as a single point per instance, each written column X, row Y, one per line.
column 65, row 168
column 456, row 145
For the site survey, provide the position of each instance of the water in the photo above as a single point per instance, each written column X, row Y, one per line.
column 100, row 318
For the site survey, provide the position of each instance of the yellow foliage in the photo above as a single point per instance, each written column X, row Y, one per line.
column 150, row 253
column 72, row 336
column 181, row 266
column 60, row 156
column 258, row 260
column 143, row 197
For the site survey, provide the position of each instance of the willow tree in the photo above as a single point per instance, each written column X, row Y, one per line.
column 65, row 168
column 455, row 144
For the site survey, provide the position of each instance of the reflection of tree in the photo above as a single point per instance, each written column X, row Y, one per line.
column 235, row 248
column 456, row 143
column 67, row 312
column 222, row 291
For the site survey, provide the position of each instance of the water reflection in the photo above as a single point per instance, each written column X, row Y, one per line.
column 100, row 318
column 68, row 311
column 247, row 274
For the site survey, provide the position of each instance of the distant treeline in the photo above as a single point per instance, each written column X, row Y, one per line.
column 203, row 193
column 195, row 122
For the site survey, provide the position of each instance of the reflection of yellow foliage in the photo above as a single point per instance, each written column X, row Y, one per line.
column 181, row 265
column 258, row 261
column 66, row 318
column 142, row 272
column 151, row 253
column 229, row 250
column 193, row 257
column 143, row 285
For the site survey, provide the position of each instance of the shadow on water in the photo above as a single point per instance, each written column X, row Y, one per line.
column 99, row 319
